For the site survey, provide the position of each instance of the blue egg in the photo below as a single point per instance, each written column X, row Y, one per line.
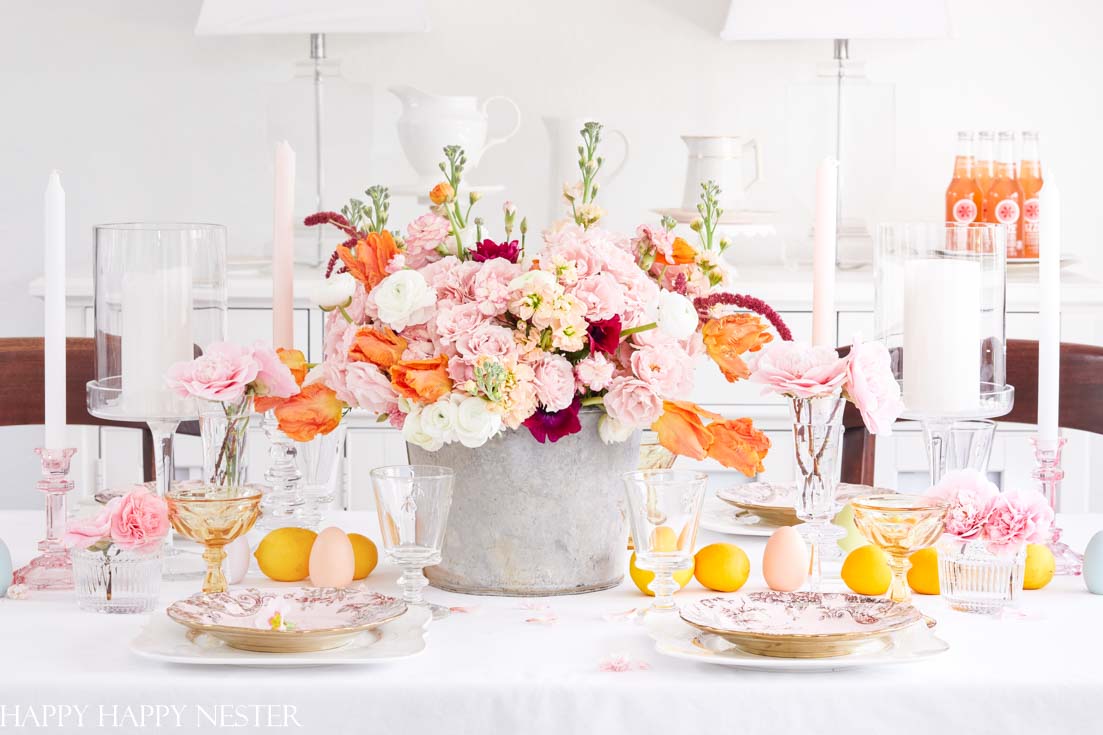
column 5, row 568
column 1093, row 564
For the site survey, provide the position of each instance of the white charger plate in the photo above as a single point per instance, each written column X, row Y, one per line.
column 164, row 640
column 718, row 516
column 675, row 638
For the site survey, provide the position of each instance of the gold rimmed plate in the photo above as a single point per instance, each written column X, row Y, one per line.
column 773, row 502
column 800, row 624
column 286, row 620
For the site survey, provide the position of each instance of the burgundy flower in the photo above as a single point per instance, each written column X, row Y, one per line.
column 604, row 335
column 554, row 426
column 488, row 250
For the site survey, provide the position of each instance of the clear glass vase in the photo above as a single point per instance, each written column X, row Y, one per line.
column 117, row 580
column 818, row 443
column 320, row 463
column 974, row 579
column 223, row 427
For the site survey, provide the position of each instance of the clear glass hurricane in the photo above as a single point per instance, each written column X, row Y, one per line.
column 664, row 507
column 818, row 442
column 412, row 502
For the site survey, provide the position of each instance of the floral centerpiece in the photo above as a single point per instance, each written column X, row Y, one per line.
column 468, row 342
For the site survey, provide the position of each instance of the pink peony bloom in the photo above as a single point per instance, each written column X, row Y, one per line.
column 222, row 373
column 554, row 382
column 633, row 403
column 273, row 378
column 871, row 386
column 140, row 522
column 1017, row 517
column 799, row 370
column 423, row 235
column 666, row 368
column 969, row 495
column 595, row 372
column 490, row 287
column 84, row 532
column 602, row 294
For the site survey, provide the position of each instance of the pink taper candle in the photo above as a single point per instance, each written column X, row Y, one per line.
column 1049, row 308
column 283, row 248
column 54, row 247
column 823, row 254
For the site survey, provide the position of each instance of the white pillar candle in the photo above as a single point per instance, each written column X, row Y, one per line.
column 1049, row 308
column 54, row 331
column 824, row 254
column 283, row 248
column 942, row 336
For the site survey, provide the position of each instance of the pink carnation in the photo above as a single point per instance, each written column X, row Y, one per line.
column 800, row 370
column 273, row 378
column 366, row 386
column 595, row 372
column 140, row 521
column 665, row 367
column 1017, row 517
column 969, row 495
column 423, row 235
column 603, row 296
column 488, row 340
column 222, row 373
column 633, row 403
column 458, row 321
column 872, row 387
column 84, row 532
column 554, row 382
column 490, row 287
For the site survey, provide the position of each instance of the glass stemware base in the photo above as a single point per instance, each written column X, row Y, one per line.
column 412, row 561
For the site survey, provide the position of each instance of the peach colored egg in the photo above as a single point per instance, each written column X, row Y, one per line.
column 332, row 561
column 785, row 560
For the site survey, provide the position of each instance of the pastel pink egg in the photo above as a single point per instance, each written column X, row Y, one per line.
column 785, row 560
column 332, row 562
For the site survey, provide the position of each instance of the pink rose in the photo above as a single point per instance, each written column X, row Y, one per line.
column 273, row 378
column 969, row 495
column 140, row 521
column 1017, row 517
column 423, row 235
column 554, row 382
column 366, row 386
column 665, row 367
column 84, row 532
column 799, row 370
column 222, row 373
column 871, row 386
column 595, row 371
column 454, row 322
column 490, row 287
column 632, row 402
column 602, row 294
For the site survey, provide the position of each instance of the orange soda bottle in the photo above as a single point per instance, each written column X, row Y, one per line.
column 982, row 168
column 1030, row 178
column 963, row 195
column 1004, row 199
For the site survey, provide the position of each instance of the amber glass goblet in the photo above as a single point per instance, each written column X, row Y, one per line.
column 900, row 525
column 213, row 516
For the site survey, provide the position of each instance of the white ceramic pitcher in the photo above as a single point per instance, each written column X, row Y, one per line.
column 563, row 142
column 720, row 158
column 429, row 122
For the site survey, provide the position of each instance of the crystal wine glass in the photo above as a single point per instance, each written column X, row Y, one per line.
column 900, row 525
column 663, row 508
column 412, row 502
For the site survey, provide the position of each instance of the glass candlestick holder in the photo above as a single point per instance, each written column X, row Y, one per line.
column 1048, row 474
column 53, row 568
column 284, row 500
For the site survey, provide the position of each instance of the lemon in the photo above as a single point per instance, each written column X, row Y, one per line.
column 721, row 567
column 284, row 554
column 367, row 556
column 923, row 575
column 1040, row 566
column 663, row 538
column 866, row 571
column 643, row 577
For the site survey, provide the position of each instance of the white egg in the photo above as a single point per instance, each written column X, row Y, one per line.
column 236, row 564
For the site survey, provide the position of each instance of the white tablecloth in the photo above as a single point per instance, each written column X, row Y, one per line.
column 489, row 671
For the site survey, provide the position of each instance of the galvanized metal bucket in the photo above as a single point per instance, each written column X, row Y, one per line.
column 531, row 519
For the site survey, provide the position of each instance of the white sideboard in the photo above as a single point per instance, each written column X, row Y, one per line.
column 112, row 456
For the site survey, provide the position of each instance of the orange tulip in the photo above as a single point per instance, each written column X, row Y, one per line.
column 441, row 193
column 369, row 263
column 422, row 380
column 681, row 254
column 681, row 431
column 295, row 361
column 739, row 445
column 381, row 347
column 729, row 337
column 315, row 410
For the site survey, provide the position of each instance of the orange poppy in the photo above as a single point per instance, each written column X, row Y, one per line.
column 729, row 337
column 681, row 430
column 681, row 254
column 314, row 410
column 739, row 445
column 295, row 361
column 380, row 347
column 368, row 264
column 422, row 380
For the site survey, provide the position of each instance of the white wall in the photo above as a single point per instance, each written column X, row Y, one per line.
column 147, row 121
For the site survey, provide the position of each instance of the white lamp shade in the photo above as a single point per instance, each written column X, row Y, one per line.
column 763, row 20
column 248, row 17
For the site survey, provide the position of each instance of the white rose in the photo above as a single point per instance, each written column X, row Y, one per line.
column 438, row 420
column 414, row 433
column 612, row 431
column 676, row 315
column 404, row 298
column 337, row 290
column 532, row 281
column 475, row 422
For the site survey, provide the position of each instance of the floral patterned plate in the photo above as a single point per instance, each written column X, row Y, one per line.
column 283, row 620
column 773, row 502
column 799, row 624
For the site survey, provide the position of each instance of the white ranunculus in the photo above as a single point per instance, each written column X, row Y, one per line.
column 404, row 298
column 337, row 290
column 475, row 422
column 531, row 281
column 676, row 315
column 414, row 432
column 612, row 431
column 438, row 420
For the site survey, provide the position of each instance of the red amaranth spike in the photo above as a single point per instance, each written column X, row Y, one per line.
column 705, row 303
column 332, row 218
column 336, row 256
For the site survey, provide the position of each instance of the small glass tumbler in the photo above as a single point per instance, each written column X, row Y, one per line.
column 664, row 507
column 117, row 580
column 974, row 579
column 412, row 502
column 970, row 444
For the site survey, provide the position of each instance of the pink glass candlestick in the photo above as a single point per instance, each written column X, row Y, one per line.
column 1048, row 473
column 52, row 569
